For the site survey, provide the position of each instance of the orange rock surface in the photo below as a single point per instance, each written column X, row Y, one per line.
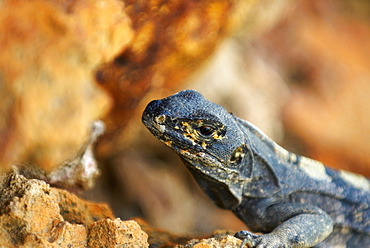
column 120, row 234
column 220, row 242
column 49, row 50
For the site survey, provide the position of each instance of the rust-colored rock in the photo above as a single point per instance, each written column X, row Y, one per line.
column 172, row 39
column 32, row 214
column 48, row 98
column 74, row 210
column 116, row 233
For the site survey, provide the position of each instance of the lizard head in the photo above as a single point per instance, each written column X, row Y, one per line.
column 208, row 140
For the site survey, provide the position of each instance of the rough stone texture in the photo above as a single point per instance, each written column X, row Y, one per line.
column 77, row 211
column 160, row 238
column 32, row 214
column 214, row 242
column 49, row 50
column 116, row 233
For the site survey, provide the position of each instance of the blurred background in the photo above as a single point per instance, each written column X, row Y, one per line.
column 299, row 70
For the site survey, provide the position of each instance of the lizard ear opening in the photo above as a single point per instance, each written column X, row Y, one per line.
column 238, row 155
column 242, row 156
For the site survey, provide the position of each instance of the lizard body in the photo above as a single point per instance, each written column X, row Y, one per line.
column 293, row 200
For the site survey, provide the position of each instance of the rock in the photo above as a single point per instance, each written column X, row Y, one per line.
column 30, row 215
column 75, row 210
column 116, row 233
column 48, row 97
column 214, row 242
column 160, row 238
column 33, row 214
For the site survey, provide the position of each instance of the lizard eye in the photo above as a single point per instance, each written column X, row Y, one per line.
column 206, row 130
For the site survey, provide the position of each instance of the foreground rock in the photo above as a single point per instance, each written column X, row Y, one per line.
column 215, row 242
column 32, row 214
column 121, row 234
column 162, row 239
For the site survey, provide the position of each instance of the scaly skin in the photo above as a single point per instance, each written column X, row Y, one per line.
column 293, row 200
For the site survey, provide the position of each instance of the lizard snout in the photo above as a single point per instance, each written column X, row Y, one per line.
column 151, row 111
column 154, row 117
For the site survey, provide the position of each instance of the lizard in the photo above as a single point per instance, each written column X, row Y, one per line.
column 288, row 199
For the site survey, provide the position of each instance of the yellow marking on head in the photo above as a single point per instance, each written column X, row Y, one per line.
column 192, row 133
column 218, row 137
column 168, row 143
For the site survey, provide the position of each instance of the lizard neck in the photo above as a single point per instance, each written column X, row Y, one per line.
column 224, row 194
column 264, row 160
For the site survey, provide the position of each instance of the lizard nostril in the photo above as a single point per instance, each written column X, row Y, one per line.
column 160, row 119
